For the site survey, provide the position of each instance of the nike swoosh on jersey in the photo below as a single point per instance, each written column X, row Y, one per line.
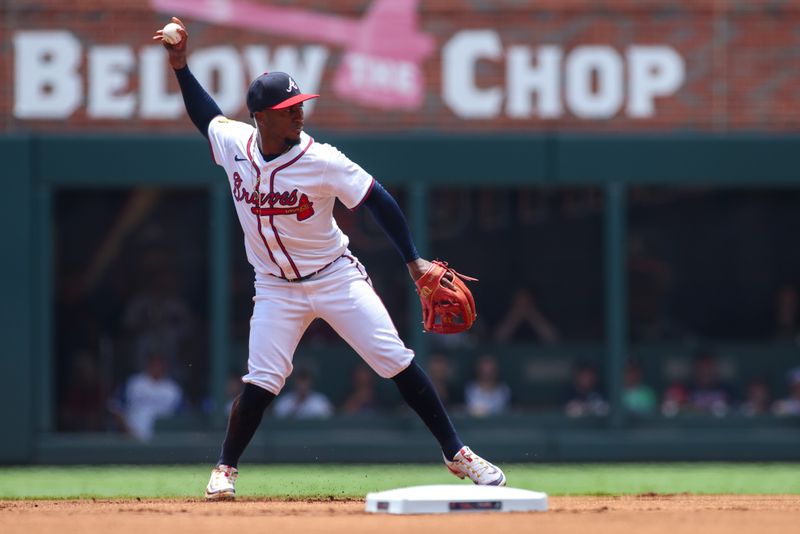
column 237, row 158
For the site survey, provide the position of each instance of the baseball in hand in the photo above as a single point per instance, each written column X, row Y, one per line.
column 170, row 33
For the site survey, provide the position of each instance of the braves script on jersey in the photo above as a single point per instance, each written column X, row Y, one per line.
column 285, row 206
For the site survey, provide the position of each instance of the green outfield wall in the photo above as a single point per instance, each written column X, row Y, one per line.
column 37, row 166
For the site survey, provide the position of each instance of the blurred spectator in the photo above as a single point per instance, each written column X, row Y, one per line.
column 637, row 397
column 83, row 408
column 650, row 284
column 302, row 402
column 158, row 318
column 233, row 387
column 440, row 371
column 362, row 399
column 758, row 399
column 487, row 394
column 707, row 394
column 787, row 327
column 524, row 321
column 583, row 397
column 494, row 212
column 676, row 399
column 150, row 395
column 207, row 404
column 791, row 404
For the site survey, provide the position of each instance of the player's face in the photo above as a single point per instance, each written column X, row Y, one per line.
column 285, row 123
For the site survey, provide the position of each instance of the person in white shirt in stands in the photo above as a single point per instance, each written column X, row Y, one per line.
column 302, row 402
column 149, row 395
column 790, row 406
column 487, row 394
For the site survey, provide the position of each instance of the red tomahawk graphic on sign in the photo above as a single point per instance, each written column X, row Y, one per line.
column 383, row 51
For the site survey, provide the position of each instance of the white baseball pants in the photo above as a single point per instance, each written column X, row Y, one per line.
column 341, row 295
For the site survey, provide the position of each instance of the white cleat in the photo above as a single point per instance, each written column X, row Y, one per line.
column 221, row 487
column 482, row 472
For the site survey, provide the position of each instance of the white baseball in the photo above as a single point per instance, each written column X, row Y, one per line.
column 170, row 33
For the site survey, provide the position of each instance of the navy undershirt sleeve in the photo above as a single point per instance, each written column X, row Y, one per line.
column 199, row 104
column 389, row 216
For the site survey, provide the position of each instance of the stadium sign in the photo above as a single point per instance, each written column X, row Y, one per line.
column 544, row 81
column 598, row 82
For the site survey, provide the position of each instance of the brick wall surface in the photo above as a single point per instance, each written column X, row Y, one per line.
column 741, row 59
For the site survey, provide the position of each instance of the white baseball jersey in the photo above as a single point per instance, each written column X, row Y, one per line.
column 285, row 206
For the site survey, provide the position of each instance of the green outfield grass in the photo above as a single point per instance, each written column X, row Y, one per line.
column 354, row 481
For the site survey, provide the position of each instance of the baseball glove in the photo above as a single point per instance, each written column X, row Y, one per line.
column 447, row 303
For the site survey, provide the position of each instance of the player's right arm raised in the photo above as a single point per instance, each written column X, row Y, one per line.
column 200, row 106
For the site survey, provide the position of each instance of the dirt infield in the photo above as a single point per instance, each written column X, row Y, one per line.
column 641, row 514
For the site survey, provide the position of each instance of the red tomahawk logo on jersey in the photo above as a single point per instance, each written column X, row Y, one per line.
column 383, row 51
column 303, row 210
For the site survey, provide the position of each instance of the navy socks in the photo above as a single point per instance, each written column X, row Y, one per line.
column 415, row 388
column 246, row 414
column 419, row 393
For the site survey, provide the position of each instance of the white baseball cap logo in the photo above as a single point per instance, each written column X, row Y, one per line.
column 292, row 85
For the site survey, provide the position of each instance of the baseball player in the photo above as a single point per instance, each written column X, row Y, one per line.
column 284, row 185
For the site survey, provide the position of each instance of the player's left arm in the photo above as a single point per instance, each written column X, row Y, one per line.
column 355, row 187
column 384, row 209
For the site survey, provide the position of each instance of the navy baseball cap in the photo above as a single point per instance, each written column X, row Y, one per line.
column 274, row 90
